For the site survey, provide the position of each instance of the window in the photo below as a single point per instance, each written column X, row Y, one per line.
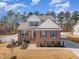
column 33, row 23
column 33, row 34
column 53, row 34
column 20, row 32
column 43, row 33
column 78, row 30
column 24, row 33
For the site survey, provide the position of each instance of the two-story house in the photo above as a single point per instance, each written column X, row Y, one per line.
column 76, row 28
column 37, row 31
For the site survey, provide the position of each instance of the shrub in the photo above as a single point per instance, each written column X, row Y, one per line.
column 19, row 42
column 58, row 44
column 0, row 42
column 53, row 43
column 42, row 45
column 24, row 45
column 13, row 57
column 13, row 44
column 26, row 41
column 49, row 44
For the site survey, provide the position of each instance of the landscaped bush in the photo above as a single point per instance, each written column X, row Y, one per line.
column 13, row 44
column 26, row 41
column 46, row 44
column 49, row 44
column 24, row 45
column 13, row 57
column 19, row 42
column 42, row 45
column 53, row 43
column 58, row 44
column 0, row 42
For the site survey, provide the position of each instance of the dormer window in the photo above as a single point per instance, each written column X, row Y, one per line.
column 33, row 23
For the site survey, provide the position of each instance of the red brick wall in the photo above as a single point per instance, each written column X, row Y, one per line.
column 38, row 38
column 48, row 35
column 30, row 35
column 37, row 35
column 27, row 37
column 19, row 37
column 48, row 38
column 58, row 35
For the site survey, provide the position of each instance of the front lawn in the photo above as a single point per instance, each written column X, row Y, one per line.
column 37, row 53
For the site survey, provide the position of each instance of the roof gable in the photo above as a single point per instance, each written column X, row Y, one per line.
column 76, row 25
column 22, row 26
column 48, row 24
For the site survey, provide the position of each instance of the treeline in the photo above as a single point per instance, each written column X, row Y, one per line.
column 66, row 19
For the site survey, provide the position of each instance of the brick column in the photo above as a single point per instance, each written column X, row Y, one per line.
column 48, row 35
column 19, row 37
column 30, row 35
column 58, row 35
column 37, row 35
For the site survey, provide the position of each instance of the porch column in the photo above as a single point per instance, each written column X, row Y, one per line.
column 30, row 35
column 48, row 35
column 58, row 35
column 37, row 35
column 19, row 35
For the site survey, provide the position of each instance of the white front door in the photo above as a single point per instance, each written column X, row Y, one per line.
column 33, row 34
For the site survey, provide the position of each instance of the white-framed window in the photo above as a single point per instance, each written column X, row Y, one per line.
column 24, row 33
column 78, row 30
column 33, row 34
column 53, row 34
column 43, row 34
column 34, row 23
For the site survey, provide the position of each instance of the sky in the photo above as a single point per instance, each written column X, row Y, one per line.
column 38, row 5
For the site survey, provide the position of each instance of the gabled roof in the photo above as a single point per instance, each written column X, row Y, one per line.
column 23, row 26
column 33, row 18
column 45, row 17
column 77, row 24
column 48, row 25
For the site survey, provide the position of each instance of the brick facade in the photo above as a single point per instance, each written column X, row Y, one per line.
column 38, row 38
column 30, row 35
column 58, row 35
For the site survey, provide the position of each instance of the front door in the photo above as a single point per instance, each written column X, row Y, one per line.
column 33, row 34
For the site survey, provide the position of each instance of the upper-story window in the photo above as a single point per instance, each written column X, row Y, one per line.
column 33, row 23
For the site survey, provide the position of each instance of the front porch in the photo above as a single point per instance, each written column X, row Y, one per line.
column 39, row 36
column 49, row 36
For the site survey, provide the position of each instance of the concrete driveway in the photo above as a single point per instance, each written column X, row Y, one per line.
column 70, row 44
